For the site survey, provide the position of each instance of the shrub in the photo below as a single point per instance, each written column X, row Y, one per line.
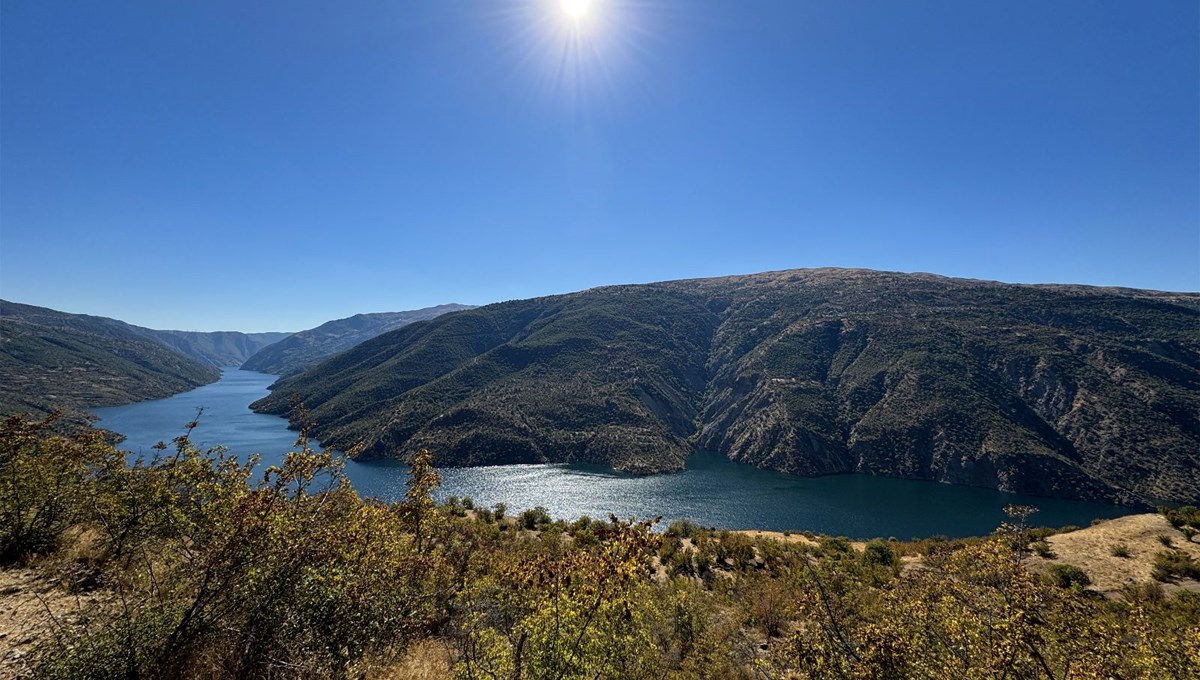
column 1171, row 564
column 835, row 545
column 683, row 529
column 584, row 523
column 1148, row 591
column 534, row 518
column 1069, row 576
column 1166, row 540
column 1042, row 549
column 49, row 483
column 1187, row 515
column 879, row 552
column 1120, row 550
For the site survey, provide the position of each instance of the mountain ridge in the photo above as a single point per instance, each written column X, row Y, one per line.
column 306, row 348
column 218, row 348
column 51, row 360
column 1052, row 389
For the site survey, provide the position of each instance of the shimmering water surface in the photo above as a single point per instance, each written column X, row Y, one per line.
column 713, row 491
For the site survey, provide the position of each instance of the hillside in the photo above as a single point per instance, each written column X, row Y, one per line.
column 305, row 349
column 1067, row 391
column 52, row 360
column 218, row 348
column 1120, row 553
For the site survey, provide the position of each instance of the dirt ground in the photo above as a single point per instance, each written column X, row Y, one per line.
column 30, row 604
column 779, row 536
column 1091, row 549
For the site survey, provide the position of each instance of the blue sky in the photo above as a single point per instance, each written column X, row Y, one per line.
column 271, row 165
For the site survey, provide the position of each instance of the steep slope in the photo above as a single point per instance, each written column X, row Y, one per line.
column 52, row 360
column 1068, row 391
column 217, row 348
column 305, row 349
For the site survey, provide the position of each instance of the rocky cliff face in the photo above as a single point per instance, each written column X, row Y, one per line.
column 1055, row 390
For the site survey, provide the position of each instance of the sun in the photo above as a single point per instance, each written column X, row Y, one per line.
column 576, row 9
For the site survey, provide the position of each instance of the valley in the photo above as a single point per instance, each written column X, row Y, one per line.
column 710, row 491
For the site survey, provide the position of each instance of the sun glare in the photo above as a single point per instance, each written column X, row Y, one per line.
column 576, row 9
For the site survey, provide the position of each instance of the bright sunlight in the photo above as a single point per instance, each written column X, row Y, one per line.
column 576, row 9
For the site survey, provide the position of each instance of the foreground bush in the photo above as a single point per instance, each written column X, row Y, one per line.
column 204, row 566
column 46, row 484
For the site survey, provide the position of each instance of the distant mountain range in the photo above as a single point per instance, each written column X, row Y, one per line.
column 217, row 348
column 303, row 350
column 1057, row 390
column 51, row 360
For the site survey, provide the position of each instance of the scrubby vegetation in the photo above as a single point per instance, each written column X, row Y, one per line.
column 1185, row 518
column 1173, row 564
column 53, row 361
column 206, row 566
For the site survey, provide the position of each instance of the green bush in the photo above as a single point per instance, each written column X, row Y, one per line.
column 879, row 551
column 1120, row 550
column 534, row 518
column 1069, row 576
column 835, row 545
column 683, row 529
column 48, row 484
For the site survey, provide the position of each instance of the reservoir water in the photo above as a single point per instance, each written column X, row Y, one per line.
column 712, row 491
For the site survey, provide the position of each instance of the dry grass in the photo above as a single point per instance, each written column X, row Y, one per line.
column 779, row 536
column 1091, row 549
column 426, row 660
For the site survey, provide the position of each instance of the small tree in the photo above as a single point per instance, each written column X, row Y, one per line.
column 418, row 506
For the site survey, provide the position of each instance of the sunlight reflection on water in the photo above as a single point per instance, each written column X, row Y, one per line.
column 713, row 491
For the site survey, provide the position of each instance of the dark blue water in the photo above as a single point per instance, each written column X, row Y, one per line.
column 713, row 491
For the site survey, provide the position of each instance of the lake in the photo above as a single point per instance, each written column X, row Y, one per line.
column 713, row 491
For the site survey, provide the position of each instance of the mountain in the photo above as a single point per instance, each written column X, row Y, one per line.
column 1056, row 390
column 217, row 348
column 307, row 348
column 53, row 360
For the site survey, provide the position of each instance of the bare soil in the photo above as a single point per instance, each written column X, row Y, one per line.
column 32, row 605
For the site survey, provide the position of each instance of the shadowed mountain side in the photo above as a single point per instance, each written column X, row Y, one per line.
column 1067, row 391
column 305, row 349
column 52, row 360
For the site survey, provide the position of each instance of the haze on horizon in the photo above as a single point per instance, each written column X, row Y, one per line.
column 224, row 166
